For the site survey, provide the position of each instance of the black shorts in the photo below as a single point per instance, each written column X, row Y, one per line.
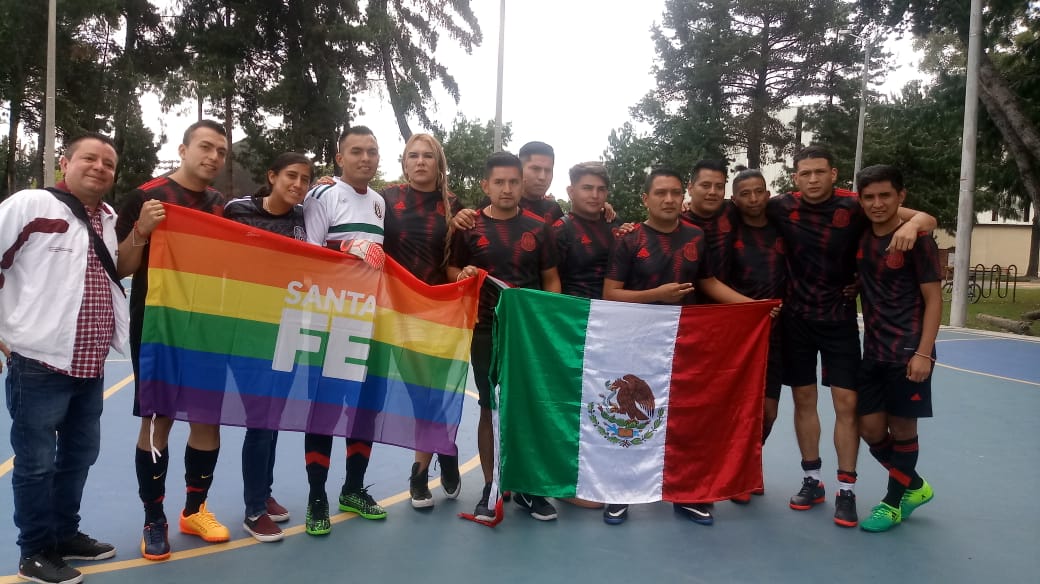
column 480, row 359
column 775, row 362
column 883, row 387
column 837, row 343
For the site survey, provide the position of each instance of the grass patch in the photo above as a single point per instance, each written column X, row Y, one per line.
column 1026, row 299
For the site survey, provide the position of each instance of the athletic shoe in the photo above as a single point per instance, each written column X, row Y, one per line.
column 47, row 567
column 83, row 547
column 845, row 509
column 483, row 512
column 362, row 503
column 743, row 499
column 540, row 508
column 696, row 512
column 451, row 480
column 263, row 528
column 205, row 525
column 882, row 518
column 810, row 494
column 914, row 499
column 276, row 512
column 507, row 495
column 317, row 521
column 155, row 541
column 419, row 488
column 615, row 514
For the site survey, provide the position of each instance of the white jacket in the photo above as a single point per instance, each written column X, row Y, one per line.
column 43, row 262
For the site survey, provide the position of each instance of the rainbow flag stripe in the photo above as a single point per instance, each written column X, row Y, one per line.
column 248, row 328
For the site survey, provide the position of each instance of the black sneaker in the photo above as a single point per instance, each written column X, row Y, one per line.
column 482, row 512
column 810, row 494
column 540, row 508
column 419, row 488
column 845, row 509
column 615, row 514
column 48, row 567
column 83, row 547
column 696, row 512
column 155, row 541
column 451, row 480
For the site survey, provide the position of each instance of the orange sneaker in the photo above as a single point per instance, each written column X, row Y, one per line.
column 205, row 525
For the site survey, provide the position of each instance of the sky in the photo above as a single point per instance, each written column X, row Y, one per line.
column 573, row 68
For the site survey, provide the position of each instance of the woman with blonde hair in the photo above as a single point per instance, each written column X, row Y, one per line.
column 418, row 215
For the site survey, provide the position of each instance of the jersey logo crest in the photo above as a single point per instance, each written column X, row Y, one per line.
column 894, row 260
column 527, row 242
column 840, row 218
column 723, row 224
column 689, row 251
column 378, row 210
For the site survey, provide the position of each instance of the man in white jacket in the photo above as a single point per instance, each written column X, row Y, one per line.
column 60, row 312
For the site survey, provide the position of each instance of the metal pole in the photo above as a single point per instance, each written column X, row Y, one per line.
column 48, row 138
column 966, row 198
column 862, row 109
column 501, row 67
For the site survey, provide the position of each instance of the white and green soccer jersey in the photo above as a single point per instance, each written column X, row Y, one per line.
column 336, row 213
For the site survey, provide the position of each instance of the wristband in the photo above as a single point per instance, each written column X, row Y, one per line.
column 925, row 356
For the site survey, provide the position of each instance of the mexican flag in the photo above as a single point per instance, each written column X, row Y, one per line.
column 629, row 403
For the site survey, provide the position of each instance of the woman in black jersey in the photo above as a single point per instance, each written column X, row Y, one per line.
column 276, row 208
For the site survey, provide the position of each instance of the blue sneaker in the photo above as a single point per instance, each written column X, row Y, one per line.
column 696, row 512
column 615, row 514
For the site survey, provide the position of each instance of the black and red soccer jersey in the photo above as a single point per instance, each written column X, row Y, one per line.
column 166, row 190
column 757, row 266
column 645, row 258
column 416, row 232
column 548, row 208
column 893, row 307
column 718, row 233
column 821, row 241
column 515, row 251
column 582, row 247
column 250, row 211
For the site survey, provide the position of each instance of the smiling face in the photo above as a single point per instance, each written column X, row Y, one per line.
column 290, row 184
column 359, row 158
column 587, row 196
column 707, row 192
column 89, row 169
column 881, row 201
column 204, row 156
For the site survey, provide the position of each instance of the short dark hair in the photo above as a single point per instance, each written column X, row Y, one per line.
column 212, row 125
column 746, row 174
column 879, row 173
column 814, row 151
column 709, row 164
column 71, row 145
column 502, row 160
column 354, row 130
column 532, row 148
column 596, row 169
column 661, row 171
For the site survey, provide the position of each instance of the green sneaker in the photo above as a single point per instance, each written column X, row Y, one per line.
column 915, row 498
column 362, row 503
column 318, row 522
column 882, row 518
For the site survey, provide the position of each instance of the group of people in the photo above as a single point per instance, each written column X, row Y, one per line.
column 64, row 252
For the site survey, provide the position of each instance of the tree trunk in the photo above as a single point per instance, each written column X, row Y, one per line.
column 1033, row 269
column 390, row 79
column 124, row 80
column 993, row 83
column 229, row 124
column 12, row 140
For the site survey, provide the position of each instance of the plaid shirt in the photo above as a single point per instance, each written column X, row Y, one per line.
column 95, row 323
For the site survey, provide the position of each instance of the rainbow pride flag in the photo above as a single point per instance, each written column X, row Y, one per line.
column 248, row 328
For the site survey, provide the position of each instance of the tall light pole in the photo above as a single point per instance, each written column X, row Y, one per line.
column 501, row 67
column 966, row 196
column 48, row 131
column 862, row 109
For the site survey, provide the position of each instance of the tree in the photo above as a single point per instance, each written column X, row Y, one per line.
column 467, row 146
column 728, row 68
column 403, row 37
column 628, row 158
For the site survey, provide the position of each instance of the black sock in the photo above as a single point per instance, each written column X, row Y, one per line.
column 317, row 450
column 882, row 451
column 198, row 476
column 903, row 473
column 358, row 453
column 151, row 482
